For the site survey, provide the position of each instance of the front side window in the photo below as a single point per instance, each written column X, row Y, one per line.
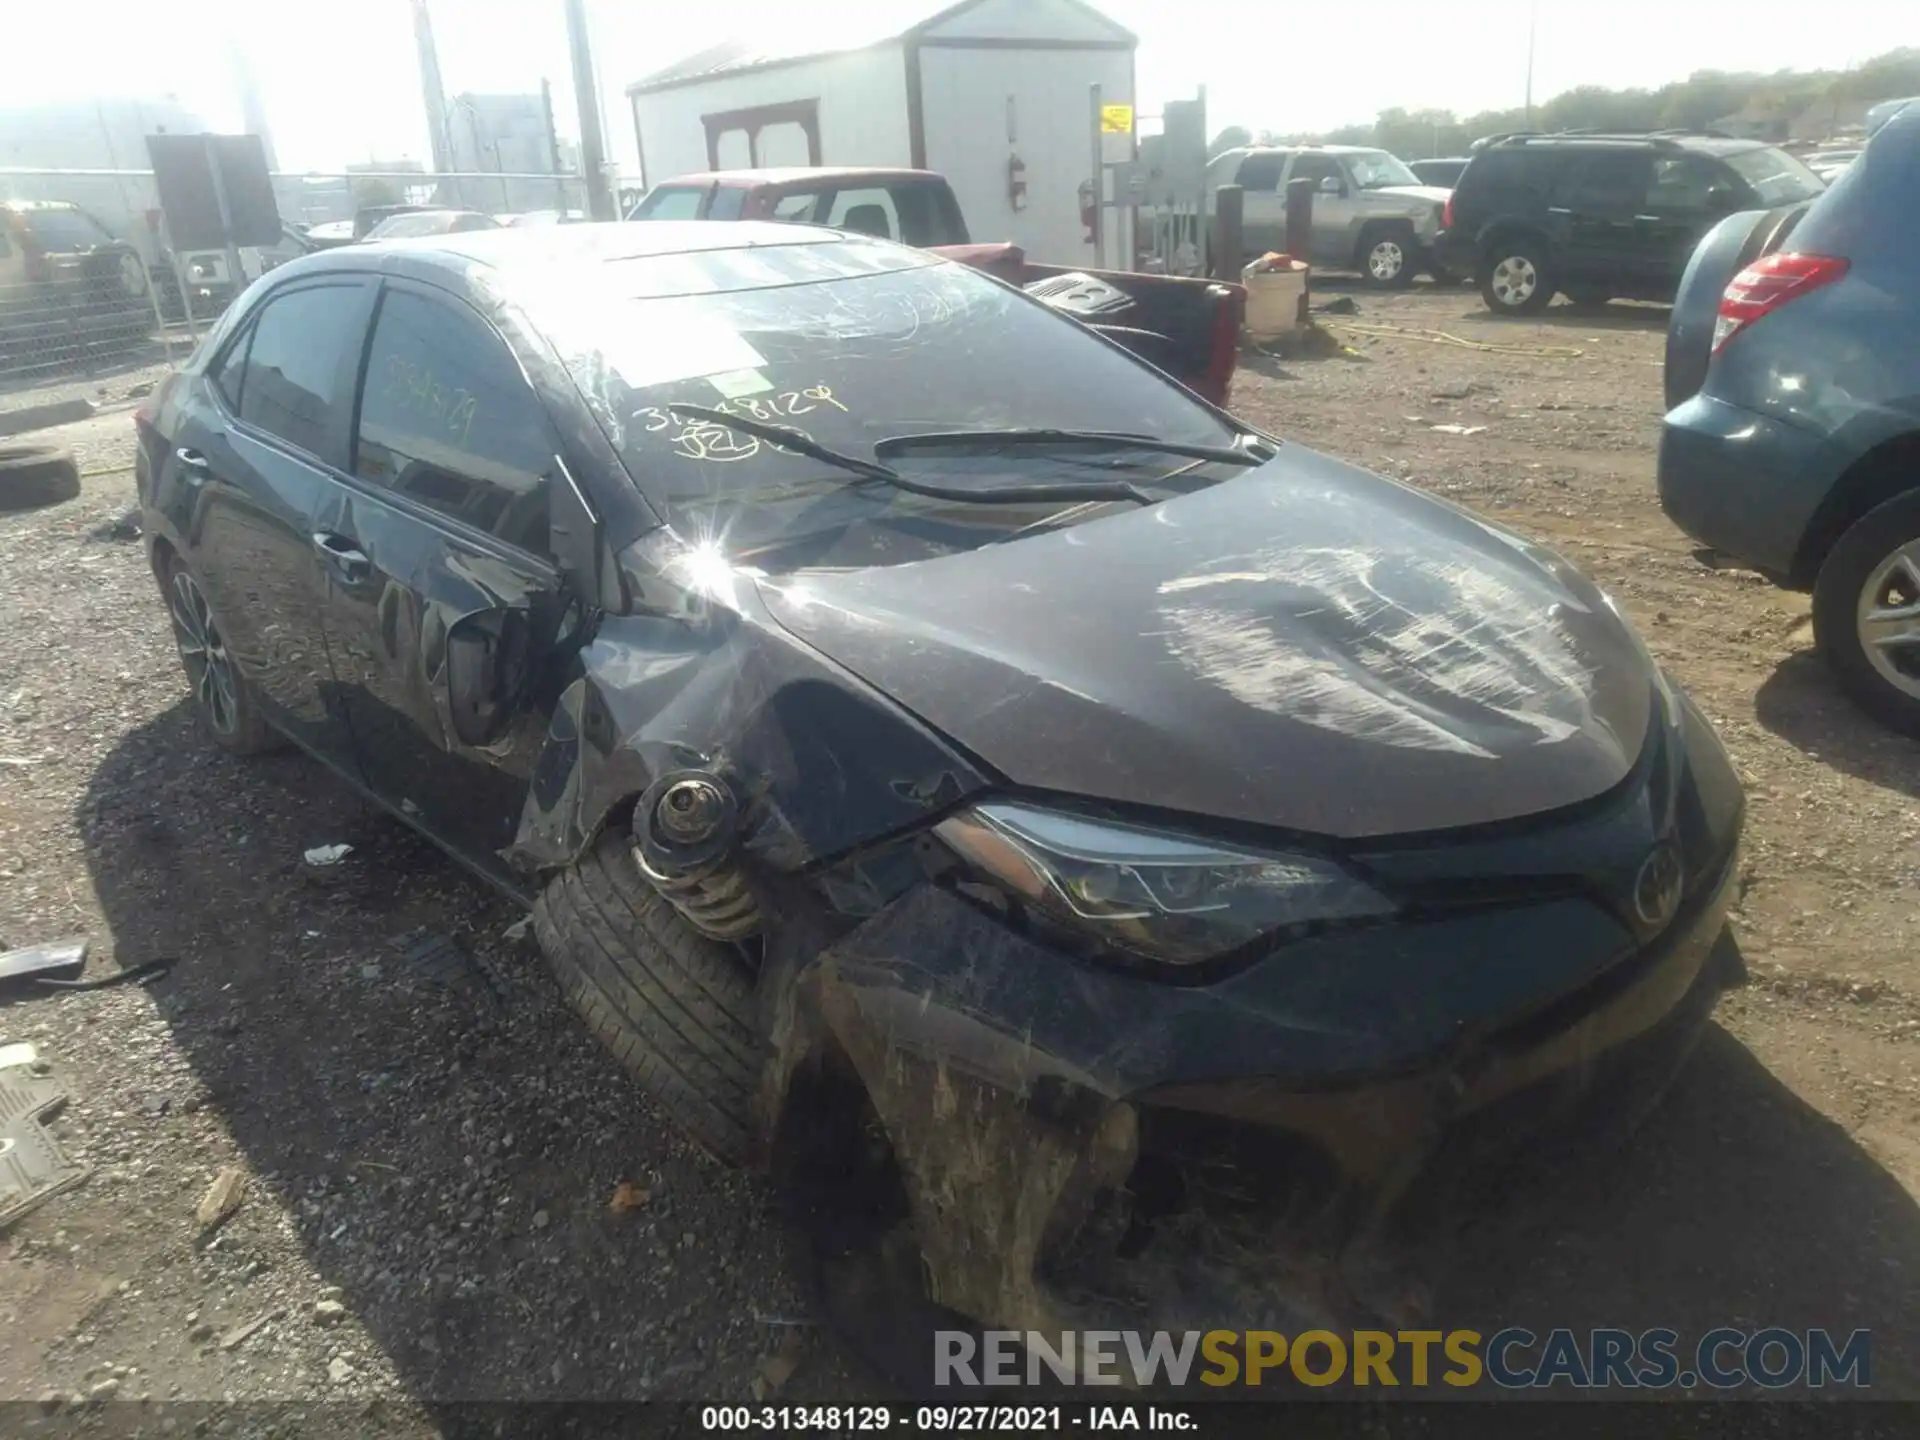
column 857, row 346
column 1775, row 177
column 671, row 202
column 1685, row 184
column 292, row 385
column 448, row 418
column 1317, row 168
column 728, row 202
column 66, row 231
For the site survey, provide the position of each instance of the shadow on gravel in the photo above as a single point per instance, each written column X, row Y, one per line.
column 1736, row 1204
column 448, row 1162
column 446, row 1145
column 1617, row 315
column 1802, row 704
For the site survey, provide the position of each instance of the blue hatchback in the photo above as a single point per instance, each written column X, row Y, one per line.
column 1793, row 439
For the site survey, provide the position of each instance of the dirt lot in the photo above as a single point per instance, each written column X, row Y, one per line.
column 431, row 1154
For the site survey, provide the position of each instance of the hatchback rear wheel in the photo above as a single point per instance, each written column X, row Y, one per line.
column 221, row 695
column 1866, row 612
column 1515, row 279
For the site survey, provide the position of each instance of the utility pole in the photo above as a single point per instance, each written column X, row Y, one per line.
column 593, row 148
column 553, row 146
column 1533, row 18
column 433, row 94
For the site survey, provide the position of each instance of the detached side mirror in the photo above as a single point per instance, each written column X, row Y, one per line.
column 580, row 545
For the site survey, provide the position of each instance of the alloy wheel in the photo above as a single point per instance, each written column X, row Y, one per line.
column 204, row 654
column 1515, row 280
column 1386, row 260
column 1888, row 619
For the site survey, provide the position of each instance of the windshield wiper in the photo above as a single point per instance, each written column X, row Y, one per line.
column 801, row 443
column 1225, row 454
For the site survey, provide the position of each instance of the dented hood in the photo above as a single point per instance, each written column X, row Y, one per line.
column 1306, row 646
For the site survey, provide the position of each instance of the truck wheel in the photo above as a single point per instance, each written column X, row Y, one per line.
column 1386, row 257
column 670, row 1003
column 34, row 475
column 1515, row 278
column 1866, row 612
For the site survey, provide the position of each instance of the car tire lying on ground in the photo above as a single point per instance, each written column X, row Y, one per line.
column 673, row 1005
column 1515, row 278
column 32, row 475
column 1875, row 567
column 222, row 697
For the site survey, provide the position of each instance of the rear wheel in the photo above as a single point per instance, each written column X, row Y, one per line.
column 1866, row 612
column 671, row 1004
column 1386, row 257
column 221, row 695
column 1515, row 278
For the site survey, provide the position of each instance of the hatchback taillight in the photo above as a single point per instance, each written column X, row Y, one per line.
column 1766, row 285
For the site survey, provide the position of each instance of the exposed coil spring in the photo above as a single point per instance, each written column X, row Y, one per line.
column 716, row 902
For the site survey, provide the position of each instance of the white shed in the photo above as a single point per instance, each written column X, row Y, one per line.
column 994, row 94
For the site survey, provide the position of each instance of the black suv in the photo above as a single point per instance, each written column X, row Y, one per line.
column 1600, row 216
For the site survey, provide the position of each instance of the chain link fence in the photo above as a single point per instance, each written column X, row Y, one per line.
column 93, row 300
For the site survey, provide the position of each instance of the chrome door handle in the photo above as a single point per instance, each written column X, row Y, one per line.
column 190, row 458
column 343, row 555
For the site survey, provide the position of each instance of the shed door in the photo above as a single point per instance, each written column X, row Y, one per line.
column 981, row 107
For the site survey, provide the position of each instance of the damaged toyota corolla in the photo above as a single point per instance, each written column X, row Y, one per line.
column 937, row 746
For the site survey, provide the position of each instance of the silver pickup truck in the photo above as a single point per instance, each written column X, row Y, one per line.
column 1370, row 212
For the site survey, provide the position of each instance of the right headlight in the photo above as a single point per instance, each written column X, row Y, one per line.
column 1160, row 895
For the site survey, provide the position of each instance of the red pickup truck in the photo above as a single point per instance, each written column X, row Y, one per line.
column 1188, row 328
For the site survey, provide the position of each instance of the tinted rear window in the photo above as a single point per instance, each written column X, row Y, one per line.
column 1500, row 172
column 62, row 231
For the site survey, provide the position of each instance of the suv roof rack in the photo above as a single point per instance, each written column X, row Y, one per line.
column 1654, row 139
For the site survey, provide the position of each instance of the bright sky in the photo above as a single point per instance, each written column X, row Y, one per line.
column 340, row 78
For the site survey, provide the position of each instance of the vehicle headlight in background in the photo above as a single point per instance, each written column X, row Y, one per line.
column 1166, row 897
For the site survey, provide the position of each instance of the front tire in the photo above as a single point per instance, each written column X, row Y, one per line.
column 1516, row 279
column 1866, row 613
column 1386, row 258
column 222, row 698
column 671, row 1004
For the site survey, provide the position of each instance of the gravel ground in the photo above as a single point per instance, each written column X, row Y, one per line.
column 430, row 1153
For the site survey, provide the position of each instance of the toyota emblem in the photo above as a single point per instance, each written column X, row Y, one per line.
column 1656, row 889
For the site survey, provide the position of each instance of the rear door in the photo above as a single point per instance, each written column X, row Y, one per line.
column 249, row 484
column 442, row 570
column 1596, row 206
column 1263, row 204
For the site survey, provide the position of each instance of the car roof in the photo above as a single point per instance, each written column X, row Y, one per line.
column 528, row 248
column 1695, row 141
column 24, row 205
column 798, row 174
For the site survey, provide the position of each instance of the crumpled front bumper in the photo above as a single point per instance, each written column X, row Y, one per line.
column 1085, row 1147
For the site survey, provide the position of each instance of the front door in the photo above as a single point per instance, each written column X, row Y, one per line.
column 249, row 476
column 1688, row 196
column 442, row 571
column 1335, row 209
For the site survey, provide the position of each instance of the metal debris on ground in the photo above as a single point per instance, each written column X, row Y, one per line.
column 33, row 1167
column 778, row 1367
column 239, row 1334
column 518, row 932
column 323, row 855
column 223, row 1197
column 1457, row 429
column 58, row 957
column 20, row 762
column 628, row 1196
column 437, row 957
